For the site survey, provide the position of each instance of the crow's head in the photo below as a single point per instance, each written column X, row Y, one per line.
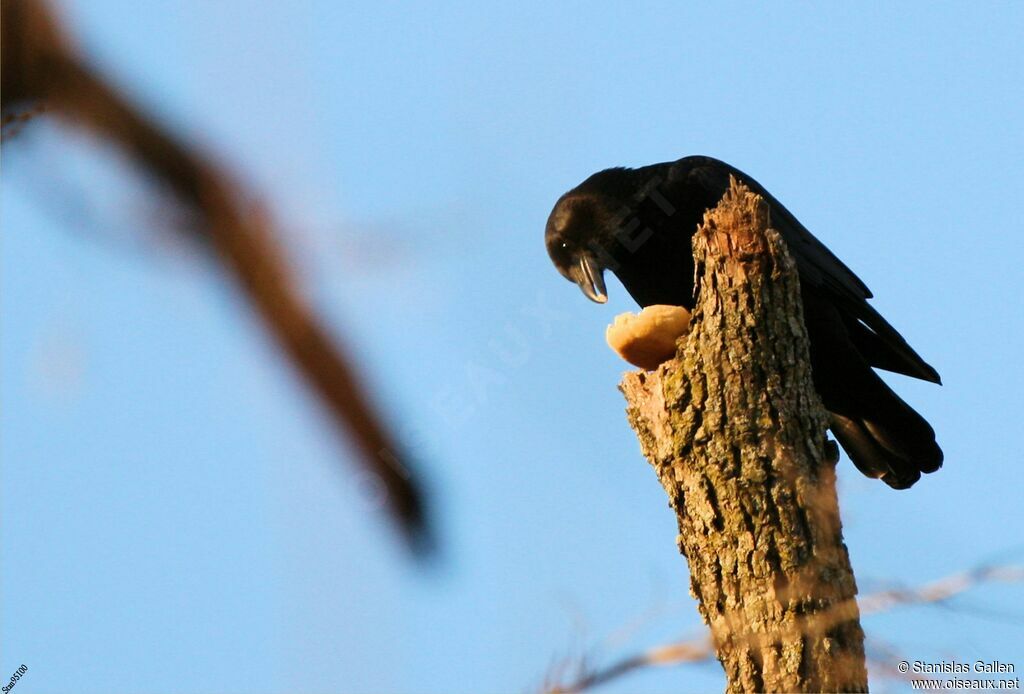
column 576, row 238
column 583, row 227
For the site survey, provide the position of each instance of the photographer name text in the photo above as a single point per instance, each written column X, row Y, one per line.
column 952, row 666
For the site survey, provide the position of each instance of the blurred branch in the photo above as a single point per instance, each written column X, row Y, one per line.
column 696, row 651
column 702, row 650
column 39, row 67
column 940, row 590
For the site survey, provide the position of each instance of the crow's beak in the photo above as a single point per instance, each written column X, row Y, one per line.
column 590, row 277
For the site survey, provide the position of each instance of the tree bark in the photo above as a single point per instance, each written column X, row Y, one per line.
column 736, row 434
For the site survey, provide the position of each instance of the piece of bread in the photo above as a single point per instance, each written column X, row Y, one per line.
column 649, row 338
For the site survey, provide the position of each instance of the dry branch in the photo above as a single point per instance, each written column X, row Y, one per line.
column 701, row 650
column 39, row 67
column 736, row 433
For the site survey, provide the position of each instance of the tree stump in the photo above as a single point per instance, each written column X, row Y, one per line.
column 736, row 434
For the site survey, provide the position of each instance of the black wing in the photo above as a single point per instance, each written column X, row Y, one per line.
column 875, row 339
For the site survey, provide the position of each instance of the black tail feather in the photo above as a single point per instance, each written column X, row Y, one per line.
column 895, row 452
column 890, row 355
column 881, row 434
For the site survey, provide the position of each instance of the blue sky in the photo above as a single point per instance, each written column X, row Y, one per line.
column 177, row 516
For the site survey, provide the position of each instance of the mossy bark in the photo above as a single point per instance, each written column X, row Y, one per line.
column 736, row 433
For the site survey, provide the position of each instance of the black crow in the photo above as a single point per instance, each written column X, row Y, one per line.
column 639, row 224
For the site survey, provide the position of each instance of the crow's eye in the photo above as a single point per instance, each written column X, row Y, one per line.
column 564, row 244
